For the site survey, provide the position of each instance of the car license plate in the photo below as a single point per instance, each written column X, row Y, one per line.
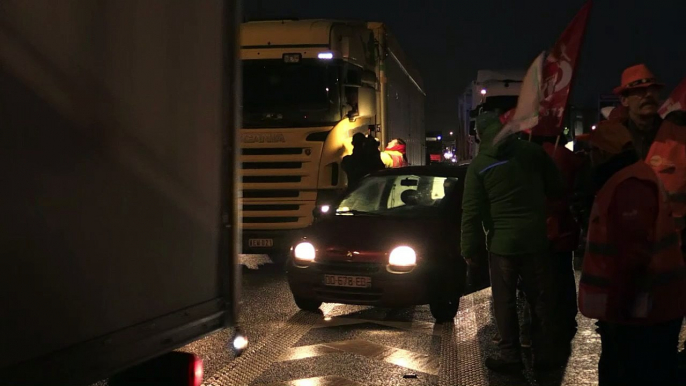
column 261, row 243
column 348, row 281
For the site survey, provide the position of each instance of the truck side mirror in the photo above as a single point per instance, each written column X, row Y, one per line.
column 366, row 102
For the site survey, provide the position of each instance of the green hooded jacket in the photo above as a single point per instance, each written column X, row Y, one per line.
column 505, row 194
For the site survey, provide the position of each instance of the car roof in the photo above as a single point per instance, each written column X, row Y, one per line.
column 429, row 170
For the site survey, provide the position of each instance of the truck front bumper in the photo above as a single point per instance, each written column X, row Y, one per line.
column 268, row 242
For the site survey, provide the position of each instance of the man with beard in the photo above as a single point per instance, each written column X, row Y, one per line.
column 662, row 144
column 639, row 93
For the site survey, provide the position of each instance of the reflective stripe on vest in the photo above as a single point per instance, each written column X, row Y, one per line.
column 644, row 284
column 663, row 285
column 668, row 241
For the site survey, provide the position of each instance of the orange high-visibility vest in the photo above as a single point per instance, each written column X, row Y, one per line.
column 395, row 159
column 662, row 288
column 667, row 157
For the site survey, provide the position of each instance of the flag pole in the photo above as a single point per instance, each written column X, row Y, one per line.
column 557, row 142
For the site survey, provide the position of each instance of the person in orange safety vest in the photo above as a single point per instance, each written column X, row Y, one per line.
column 394, row 154
column 633, row 275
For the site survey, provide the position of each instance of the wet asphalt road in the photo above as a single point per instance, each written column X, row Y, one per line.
column 357, row 345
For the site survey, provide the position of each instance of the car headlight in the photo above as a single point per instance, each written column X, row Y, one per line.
column 403, row 257
column 304, row 251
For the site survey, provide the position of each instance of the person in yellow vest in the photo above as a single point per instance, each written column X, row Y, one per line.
column 633, row 276
column 394, row 155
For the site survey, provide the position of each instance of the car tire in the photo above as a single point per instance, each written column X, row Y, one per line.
column 307, row 304
column 445, row 310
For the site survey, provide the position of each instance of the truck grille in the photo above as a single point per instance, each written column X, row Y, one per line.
column 270, row 179
column 279, row 186
column 270, row 193
column 269, row 220
column 268, row 207
column 272, row 165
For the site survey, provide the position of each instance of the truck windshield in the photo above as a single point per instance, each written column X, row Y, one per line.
column 278, row 94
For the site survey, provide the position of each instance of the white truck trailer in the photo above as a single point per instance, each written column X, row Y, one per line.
column 118, row 223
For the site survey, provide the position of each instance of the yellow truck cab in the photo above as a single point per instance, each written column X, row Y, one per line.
column 308, row 87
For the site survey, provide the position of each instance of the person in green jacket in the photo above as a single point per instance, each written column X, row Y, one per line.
column 505, row 195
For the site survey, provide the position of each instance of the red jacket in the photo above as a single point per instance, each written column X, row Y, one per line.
column 633, row 270
column 632, row 213
column 563, row 230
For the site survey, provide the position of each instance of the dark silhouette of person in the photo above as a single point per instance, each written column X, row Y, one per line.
column 372, row 155
column 354, row 164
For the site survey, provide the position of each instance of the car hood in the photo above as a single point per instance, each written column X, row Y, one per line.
column 372, row 238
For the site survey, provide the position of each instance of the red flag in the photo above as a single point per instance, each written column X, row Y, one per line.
column 558, row 74
column 676, row 101
column 526, row 114
column 505, row 118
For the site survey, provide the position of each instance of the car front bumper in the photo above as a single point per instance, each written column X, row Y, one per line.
column 388, row 289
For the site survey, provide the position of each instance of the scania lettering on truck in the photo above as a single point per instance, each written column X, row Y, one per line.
column 118, row 209
column 308, row 87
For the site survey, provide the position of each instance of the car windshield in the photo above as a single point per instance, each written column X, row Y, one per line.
column 399, row 195
column 279, row 94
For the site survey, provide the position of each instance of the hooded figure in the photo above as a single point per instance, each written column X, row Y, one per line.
column 505, row 194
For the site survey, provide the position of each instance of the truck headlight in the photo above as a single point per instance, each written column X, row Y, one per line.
column 304, row 251
column 402, row 257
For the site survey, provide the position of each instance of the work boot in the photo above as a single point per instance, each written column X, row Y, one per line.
column 501, row 365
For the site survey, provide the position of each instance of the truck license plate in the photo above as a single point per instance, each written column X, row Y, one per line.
column 348, row 281
column 261, row 243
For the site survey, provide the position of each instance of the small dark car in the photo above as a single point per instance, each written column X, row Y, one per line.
column 393, row 241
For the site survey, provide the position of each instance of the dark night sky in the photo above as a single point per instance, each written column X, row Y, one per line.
column 448, row 41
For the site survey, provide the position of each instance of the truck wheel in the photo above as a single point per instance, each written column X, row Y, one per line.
column 444, row 310
column 307, row 304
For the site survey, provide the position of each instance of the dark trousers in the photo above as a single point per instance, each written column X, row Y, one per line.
column 639, row 355
column 534, row 272
column 565, row 293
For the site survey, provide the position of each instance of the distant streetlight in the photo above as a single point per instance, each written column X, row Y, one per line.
column 483, row 91
column 439, row 137
column 593, row 127
column 451, row 133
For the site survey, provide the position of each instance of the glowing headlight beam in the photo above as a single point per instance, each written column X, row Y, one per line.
column 402, row 256
column 304, row 251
